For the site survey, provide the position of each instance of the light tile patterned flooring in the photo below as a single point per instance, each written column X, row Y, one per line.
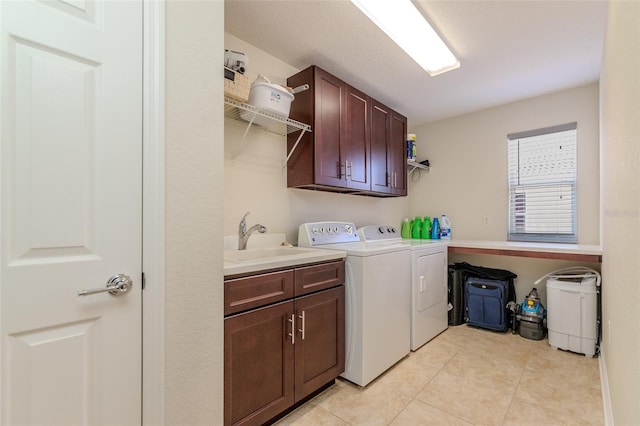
column 468, row 376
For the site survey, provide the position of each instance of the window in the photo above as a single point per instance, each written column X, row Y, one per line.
column 542, row 185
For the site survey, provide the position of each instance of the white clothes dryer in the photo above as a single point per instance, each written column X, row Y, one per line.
column 429, row 298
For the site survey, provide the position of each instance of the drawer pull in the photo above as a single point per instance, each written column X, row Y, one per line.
column 301, row 330
column 292, row 320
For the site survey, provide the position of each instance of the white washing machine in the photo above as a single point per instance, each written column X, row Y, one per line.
column 429, row 298
column 378, row 298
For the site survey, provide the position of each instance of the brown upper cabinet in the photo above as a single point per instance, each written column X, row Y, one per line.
column 357, row 145
column 388, row 150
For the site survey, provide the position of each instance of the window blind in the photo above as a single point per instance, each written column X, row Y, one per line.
column 542, row 184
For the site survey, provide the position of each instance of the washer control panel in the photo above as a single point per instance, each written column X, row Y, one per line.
column 379, row 233
column 318, row 233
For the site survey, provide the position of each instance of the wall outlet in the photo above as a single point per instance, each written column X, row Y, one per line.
column 485, row 220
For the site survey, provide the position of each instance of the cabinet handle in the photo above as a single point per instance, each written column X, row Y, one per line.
column 349, row 165
column 301, row 330
column 395, row 179
column 292, row 320
column 421, row 283
column 340, row 167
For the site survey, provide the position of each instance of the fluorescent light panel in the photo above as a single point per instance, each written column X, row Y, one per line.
column 405, row 25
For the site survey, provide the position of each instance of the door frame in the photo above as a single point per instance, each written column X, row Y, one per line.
column 153, row 213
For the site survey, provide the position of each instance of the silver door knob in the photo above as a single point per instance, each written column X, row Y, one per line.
column 117, row 285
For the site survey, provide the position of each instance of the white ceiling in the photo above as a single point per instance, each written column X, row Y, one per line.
column 508, row 50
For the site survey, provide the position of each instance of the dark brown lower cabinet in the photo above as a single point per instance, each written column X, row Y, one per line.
column 277, row 355
column 319, row 349
column 258, row 364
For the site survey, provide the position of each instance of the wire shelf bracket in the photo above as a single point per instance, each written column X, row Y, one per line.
column 265, row 120
column 415, row 165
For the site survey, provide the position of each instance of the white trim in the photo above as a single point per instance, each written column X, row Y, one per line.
column 153, row 203
column 604, row 385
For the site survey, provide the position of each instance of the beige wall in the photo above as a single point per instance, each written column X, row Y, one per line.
column 620, row 163
column 468, row 176
column 194, row 174
column 255, row 180
column 468, row 155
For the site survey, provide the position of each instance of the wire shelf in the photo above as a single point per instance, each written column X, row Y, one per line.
column 268, row 121
column 415, row 165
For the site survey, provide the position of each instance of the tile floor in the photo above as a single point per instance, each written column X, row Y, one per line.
column 468, row 376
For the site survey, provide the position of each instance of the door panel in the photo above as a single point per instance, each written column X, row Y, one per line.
column 397, row 153
column 53, row 149
column 320, row 354
column 356, row 142
column 258, row 364
column 329, row 129
column 42, row 361
column 70, row 191
column 380, row 134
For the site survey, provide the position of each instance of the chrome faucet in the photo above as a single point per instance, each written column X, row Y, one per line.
column 244, row 234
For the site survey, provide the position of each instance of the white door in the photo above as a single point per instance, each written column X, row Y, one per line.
column 70, row 192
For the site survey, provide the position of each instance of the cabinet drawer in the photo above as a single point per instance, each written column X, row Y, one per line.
column 318, row 277
column 251, row 292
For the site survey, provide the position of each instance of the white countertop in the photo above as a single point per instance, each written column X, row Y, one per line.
column 301, row 255
column 298, row 256
column 522, row 246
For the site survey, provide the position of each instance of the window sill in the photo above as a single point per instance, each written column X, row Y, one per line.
column 573, row 252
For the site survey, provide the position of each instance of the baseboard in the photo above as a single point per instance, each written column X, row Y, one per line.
column 604, row 385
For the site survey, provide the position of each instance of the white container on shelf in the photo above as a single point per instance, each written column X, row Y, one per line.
column 270, row 97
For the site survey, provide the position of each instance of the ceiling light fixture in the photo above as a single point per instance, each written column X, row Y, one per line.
column 405, row 25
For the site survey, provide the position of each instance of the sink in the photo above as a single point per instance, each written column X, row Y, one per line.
column 260, row 254
column 254, row 260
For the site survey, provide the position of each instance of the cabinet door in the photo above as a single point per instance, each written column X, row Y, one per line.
column 355, row 144
column 329, row 129
column 258, row 365
column 320, row 340
column 397, row 153
column 380, row 139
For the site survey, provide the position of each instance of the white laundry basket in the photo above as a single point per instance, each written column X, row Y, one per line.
column 572, row 310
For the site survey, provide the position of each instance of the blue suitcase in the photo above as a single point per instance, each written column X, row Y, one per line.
column 485, row 303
